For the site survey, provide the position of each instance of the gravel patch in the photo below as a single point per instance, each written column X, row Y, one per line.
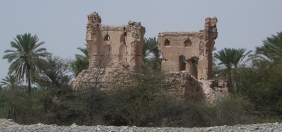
column 9, row 126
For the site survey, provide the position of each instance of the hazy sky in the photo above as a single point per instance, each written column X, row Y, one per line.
column 61, row 24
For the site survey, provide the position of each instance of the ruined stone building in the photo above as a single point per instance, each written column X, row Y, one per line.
column 189, row 51
column 117, row 45
column 186, row 56
column 110, row 49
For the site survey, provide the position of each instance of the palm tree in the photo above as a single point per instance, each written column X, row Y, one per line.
column 10, row 81
column 271, row 50
column 230, row 58
column 84, row 51
column 151, row 54
column 53, row 72
column 81, row 61
column 23, row 58
column 240, row 55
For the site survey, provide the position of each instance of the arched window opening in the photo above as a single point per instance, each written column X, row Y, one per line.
column 193, row 66
column 167, row 43
column 107, row 37
column 187, row 43
column 123, row 39
column 122, row 50
column 182, row 63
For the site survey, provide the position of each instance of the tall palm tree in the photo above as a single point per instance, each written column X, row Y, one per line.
column 23, row 58
column 230, row 58
column 10, row 81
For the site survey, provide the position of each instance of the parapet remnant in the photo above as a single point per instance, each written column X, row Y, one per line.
column 189, row 51
column 114, row 46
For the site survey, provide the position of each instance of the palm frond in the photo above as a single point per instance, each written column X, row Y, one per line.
column 271, row 50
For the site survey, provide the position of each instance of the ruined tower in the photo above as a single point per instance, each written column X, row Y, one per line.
column 114, row 46
column 189, row 51
column 111, row 49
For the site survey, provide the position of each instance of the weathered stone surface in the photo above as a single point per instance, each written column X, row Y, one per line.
column 100, row 78
column 192, row 89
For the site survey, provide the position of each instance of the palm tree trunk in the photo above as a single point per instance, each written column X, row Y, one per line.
column 14, row 114
column 29, row 86
column 28, row 79
column 234, row 84
column 230, row 85
column 9, row 113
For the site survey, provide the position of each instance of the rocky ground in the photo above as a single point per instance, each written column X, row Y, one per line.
column 9, row 126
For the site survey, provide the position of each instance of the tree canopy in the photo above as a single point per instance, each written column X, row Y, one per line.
column 230, row 58
column 26, row 52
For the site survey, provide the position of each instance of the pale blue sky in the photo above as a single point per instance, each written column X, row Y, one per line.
column 61, row 24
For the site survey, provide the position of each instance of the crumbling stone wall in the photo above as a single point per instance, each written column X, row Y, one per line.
column 114, row 46
column 189, row 88
column 189, row 51
column 110, row 48
column 187, row 57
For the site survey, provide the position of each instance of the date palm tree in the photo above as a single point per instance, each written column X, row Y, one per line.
column 54, row 72
column 10, row 81
column 22, row 58
column 271, row 50
column 230, row 58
